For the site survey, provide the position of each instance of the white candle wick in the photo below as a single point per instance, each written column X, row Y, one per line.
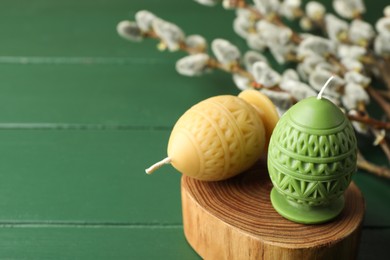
column 158, row 165
column 324, row 87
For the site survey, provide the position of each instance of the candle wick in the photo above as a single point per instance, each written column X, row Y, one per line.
column 157, row 165
column 324, row 87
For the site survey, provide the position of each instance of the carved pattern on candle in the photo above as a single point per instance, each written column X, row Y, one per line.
column 313, row 179
column 225, row 131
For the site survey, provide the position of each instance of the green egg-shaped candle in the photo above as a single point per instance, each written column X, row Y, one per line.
column 311, row 158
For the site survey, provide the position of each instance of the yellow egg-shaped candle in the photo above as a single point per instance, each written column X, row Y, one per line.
column 266, row 109
column 221, row 136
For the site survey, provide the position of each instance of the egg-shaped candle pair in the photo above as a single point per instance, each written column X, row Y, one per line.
column 221, row 136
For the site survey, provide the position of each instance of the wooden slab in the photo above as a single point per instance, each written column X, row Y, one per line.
column 234, row 219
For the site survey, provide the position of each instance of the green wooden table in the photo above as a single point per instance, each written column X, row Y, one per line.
column 83, row 113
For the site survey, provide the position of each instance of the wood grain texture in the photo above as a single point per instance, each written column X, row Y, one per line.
column 234, row 219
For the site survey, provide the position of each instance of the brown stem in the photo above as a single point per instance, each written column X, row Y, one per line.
column 381, row 141
column 184, row 47
column 379, row 136
column 318, row 24
column 241, row 4
column 233, row 68
column 295, row 37
column 384, row 93
column 256, row 85
column 379, row 67
column 384, row 70
column 376, row 124
column 236, row 68
column 255, row 13
column 213, row 63
column 379, row 171
column 367, row 60
column 335, row 61
column 151, row 34
column 380, row 100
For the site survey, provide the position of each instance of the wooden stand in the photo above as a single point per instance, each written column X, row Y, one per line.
column 234, row 219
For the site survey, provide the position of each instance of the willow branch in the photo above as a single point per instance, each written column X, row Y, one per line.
column 379, row 171
column 384, row 70
column 376, row 124
column 380, row 100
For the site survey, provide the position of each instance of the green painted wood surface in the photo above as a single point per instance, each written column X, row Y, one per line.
column 137, row 95
column 83, row 112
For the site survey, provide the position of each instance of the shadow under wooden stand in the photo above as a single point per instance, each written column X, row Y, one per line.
column 234, row 219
